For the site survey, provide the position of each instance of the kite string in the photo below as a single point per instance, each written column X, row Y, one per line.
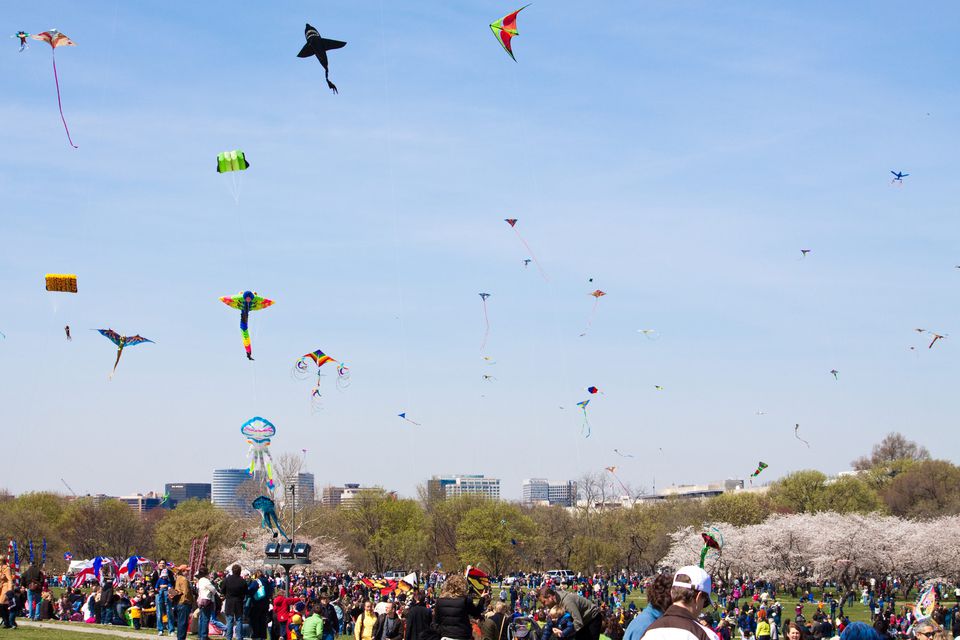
column 56, row 80
column 532, row 255
column 486, row 330
column 396, row 221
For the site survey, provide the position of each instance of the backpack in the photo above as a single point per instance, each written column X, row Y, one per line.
column 261, row 591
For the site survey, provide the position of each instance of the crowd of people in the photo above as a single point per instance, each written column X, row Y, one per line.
column 238, row 604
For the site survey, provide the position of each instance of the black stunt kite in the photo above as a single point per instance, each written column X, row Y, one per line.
column 317, row 46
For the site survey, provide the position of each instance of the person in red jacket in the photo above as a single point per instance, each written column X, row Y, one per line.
column 281, row 614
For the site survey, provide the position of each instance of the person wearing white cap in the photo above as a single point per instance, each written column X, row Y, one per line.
column 690, row 595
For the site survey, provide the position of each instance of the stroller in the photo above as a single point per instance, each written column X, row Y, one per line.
column 523, row 629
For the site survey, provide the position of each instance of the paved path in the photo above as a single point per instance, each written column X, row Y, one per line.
column 84, row 628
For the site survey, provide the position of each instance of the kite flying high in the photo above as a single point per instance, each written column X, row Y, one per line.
column 246, row 302
column 56, row 39
column 505, row 29
column 317, row 46
column 121, row 342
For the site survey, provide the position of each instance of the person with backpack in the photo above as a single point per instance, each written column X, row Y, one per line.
column 260, row 592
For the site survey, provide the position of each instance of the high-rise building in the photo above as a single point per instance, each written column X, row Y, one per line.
column 442, row 487
column 306, row 492
column 142, row 503
column 551, row 492
column 331, row 496
column 224, row 490
column 183, row 491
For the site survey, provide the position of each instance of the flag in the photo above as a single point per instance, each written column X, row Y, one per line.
column 407, row 583
column 477, row 579
column 131, row 567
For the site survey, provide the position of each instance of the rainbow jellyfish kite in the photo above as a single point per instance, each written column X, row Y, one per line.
column 258, row 432
column 246, row 302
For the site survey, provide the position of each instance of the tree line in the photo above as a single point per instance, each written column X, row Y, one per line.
column 378, row 531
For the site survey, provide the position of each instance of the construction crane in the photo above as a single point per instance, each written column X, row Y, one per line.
column 68, row 487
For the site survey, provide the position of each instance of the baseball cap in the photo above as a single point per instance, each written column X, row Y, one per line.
column 699, row 580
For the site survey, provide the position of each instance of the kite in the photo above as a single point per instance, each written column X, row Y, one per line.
column 760, row 467
column 593, row 390
column 61, row 282
column 804, row 252
column 597, row 294
column 898, row 176
column 490, row 361
column 657, row 387
column 649, row 334
column 527, row 261
column 22, row 35
column 761, row 412
column 505, row 29
column 246, row 302
column 268, row 516
column 613, row 472
column 936, row 336
column 622, row 455
column 317, row 46
column 319, row 358
column 487, row 377
column 404, row 416
column 926, row 604
column 796, row 434
column 513, row 225
column 477, row 579
column 67, row 330
column 56, row 39
column 486, row 321
column 258, row 432
column 121, row 342
column 235, row 160
column 834, row 373
column 710, row 541
column 586, row 423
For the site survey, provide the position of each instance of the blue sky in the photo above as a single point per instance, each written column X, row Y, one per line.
column 679, row 153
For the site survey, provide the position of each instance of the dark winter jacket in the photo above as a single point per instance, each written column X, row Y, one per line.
column 452, row 617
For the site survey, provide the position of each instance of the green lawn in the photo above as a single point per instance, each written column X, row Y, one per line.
column 24, row 632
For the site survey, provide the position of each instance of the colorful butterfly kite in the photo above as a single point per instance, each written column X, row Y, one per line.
column 486, row 321
column 258, row 432
column 505, row 29
column 121, row 342
column 319, row 358
column 513, row 225
column 246, row 302
column 56, row 39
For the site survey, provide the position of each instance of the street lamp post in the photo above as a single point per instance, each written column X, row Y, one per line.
column 291, row 557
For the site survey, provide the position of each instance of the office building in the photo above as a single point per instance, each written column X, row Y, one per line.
column 343, row 496
column 306, row 492
column 225, row 490
column 540, row 491
column 183, row 491
column 142, row 503
column 442, row 487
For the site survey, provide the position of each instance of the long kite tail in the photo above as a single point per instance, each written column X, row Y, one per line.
column 586, row 424
column 486, row 327
column 703, row 555
column 116, row 362
column 245, row 333
column 530, row 251
column 59, row 103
